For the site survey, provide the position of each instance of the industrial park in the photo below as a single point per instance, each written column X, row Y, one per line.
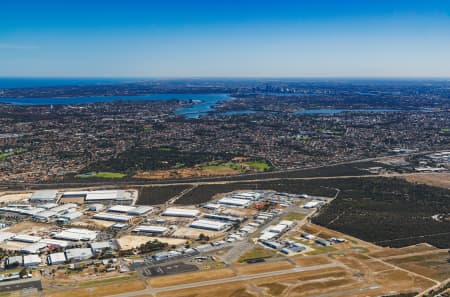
column 98, row 235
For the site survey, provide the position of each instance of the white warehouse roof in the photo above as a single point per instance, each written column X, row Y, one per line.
column 101, row 245
column 44, row 195
column 71, row 215
column 64, row 207
column 44, row 215
column 48, row 205
column 31, row 260
column 209, row 225
column 121, row 208
column 105, row 195
column 56, row 258
column 150, row 229
column 55, row 242
column 181, row 212
column 6, row 236
column 78, row 254
column 34, row 248
column 26, row 238
column 140, row 210
column 312, row 204
column 112, row 217
column 75, row 234
column 277, row 228
column 234, row 202
column 212, row 206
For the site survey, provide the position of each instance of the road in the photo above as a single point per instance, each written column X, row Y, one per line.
column 153, row 291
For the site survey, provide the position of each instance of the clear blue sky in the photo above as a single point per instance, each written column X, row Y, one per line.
column 340, row 38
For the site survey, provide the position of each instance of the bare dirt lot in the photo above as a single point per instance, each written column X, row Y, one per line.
column 186, row 173
column 30, row 228
column 311, row 261
column 392, row 252
column 7, row 197
column 263, row 267
column 433, row 179
column 432, row 265
column 191, row 233
column 185, row 278
column 234, row 289
column 102, row 290
column 128, row 242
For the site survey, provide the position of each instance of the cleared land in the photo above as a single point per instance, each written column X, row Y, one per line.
column 172, row 280
column 257, row 252
column 432, row 265
column 187, row 172
column 8, row 198
column 432, row 179
column 233, row 289
column 101, row 290
column 311, row 261
column 263, row 267
column 129, row 242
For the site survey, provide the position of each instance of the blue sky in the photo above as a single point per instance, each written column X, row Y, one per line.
column 340, row 38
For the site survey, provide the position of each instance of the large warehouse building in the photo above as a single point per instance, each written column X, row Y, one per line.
column 45, row 196
column 151, row 229
column 234, row 202
column 209, row 225
column 181, row 212
column 105, row 216
column 75, row 234
column 104, row 196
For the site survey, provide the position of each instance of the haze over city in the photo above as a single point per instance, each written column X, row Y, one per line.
column 225, row 39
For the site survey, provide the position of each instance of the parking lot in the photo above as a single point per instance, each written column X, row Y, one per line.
column 170, row 269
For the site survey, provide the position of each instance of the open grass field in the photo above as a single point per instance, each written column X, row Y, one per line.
column 258, row 165
column 100, row 290
column 12, row 153
column 102, row 174
column 257, row 252
column 185, row 278
column 263, row 267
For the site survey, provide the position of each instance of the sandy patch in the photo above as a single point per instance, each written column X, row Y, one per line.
column 128, row 242
column 263, row 267
column 6, row 197
column 191, row 233
column 172, row 280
